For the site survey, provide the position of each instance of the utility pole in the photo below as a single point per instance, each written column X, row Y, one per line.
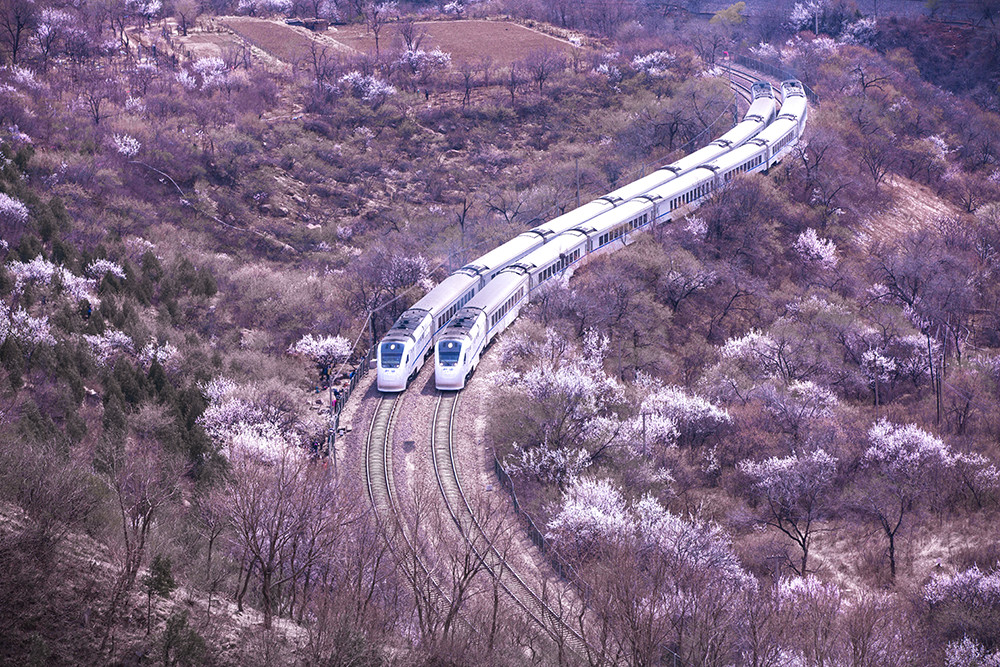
column 578, row 182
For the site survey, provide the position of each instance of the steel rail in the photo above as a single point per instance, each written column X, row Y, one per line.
column 446, row 471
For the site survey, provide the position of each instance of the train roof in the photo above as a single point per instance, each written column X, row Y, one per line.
column 643, row 185
column 617, row 215
column 573, row 218
column 549, row 252
column 445, row 292
column 505, row 254
column 682, row 184
column 499, row 289
column 461, row 324
column 407, row 323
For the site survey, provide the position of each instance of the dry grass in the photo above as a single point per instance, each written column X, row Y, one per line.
column 208, row 44
column 915, row 206
column 284, row 42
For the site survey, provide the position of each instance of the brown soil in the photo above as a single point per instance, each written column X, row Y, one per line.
column 287, row 43
column 465, row 40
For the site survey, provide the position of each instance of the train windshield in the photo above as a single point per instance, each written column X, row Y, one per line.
column 449, row 351
column 392, row 355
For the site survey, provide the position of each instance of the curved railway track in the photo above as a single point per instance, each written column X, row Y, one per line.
column 460, row 509
column 378, row 476
column 380, row 485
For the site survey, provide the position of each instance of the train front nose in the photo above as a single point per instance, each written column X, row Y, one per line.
column 392, row 373
column 449, row 371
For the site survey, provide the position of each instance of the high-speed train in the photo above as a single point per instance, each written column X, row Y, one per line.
column 402, row 351
column 460, row 344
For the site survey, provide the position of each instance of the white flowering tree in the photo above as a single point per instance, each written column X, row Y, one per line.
column 102, row 267
column 421, row 65
column 250, row 420
column 367, row 87
column 809, row 611
column 968, row 603
column 108, row 346
column 747, row 362
column 324, row 351
column 967, row 652
column 693, row 584
column 42, row 273
column 817, row 253
column 13, row 213
column 798, row 404
column 696, row 419
column 905, row 468
column 793, row 491
column 658, row 578
column 978, row 475
column 567, row 403
column 27, row 331
column 592, row 516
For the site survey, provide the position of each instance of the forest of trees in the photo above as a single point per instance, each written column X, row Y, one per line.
column 764, row 435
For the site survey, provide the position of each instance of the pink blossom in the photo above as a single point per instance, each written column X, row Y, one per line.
column 592, row 514
column 816, row 251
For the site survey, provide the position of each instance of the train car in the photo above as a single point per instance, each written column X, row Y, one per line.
column 758, row 116
column 459, row 346
column 772, row 144
column 403, row 349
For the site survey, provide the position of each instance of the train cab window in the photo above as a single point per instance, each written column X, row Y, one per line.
column 449, row 352
column 392, row 354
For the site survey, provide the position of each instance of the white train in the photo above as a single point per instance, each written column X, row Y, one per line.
column 460, row 344
column 404, row 348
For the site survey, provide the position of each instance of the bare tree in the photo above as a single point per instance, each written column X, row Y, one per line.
column 186, row 11
column 17, row 20
column 466, row 71
column 461, row 213
column 411, row 34
column 542, row 64
column 513, row 80
column 377, row 14
column 141, row 480
column 280, row 521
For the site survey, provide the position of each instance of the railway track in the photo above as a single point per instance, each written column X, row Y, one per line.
column 461, row 511
column 378, row 474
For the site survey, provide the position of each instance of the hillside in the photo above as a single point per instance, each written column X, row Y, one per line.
column 207, row 217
